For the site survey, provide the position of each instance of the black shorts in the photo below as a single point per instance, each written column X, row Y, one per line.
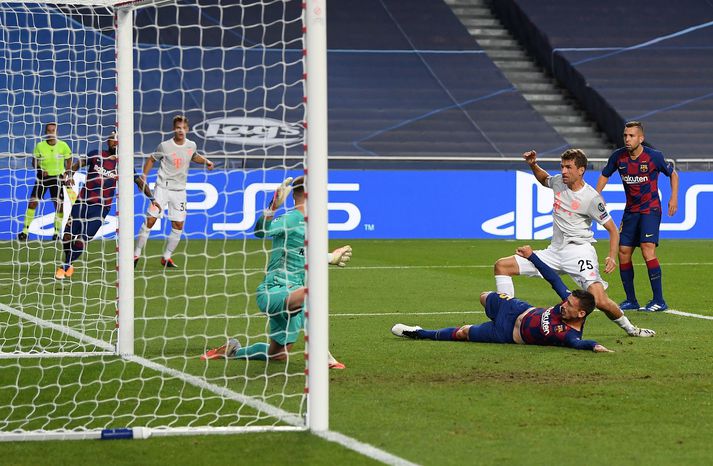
column 53, row 184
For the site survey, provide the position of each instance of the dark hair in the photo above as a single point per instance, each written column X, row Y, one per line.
column 180, row 119
column 586, row 300
column 634, row 124
column 580, row 159
column 298, row 185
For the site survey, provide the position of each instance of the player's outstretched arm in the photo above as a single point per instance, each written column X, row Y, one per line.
column 601, row 182
column 610, row 260
column 140, row 181
column 673, row 202
column 148, row 165
column 203, row 160
column 601, row 349
column 550, row 275
column 279, row 197
column 531, row 159
column 340, row 256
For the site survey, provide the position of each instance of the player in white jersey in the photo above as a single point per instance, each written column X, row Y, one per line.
column 576, row 205
column 174, row 155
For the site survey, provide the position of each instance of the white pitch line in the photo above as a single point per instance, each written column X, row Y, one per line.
column 284, row 416
column 364, row 267
column 364, row 448
column 688, row 314
column 406, row 314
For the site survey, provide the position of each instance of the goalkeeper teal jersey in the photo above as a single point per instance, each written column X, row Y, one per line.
column 287, row 257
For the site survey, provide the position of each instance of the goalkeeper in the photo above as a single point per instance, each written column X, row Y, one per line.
column 282, row 293
column 515, row 321
column 93, row 203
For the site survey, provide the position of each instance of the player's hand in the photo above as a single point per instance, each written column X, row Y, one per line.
column 156, row 205
column 524, row 251
column 281, row 194
column 530, row 157
column 609, row 265
column 341, row 256
column 672, row 207
column 68, row 179
column 601, row 349
column 45, row 174
column 210, row 165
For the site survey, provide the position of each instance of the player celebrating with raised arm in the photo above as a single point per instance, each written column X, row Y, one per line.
column 53, row 162
column 576, row 205
column 281, row 294
column 639, row 168
column 93, row 203
column 175, row 156
column 516, row 321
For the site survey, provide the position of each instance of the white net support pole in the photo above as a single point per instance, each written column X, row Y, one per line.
column 317, row 237
column 125, row 151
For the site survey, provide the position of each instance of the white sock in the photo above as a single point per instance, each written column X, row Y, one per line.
column 624, row 323
column 504, row 284
column 172, row 242
column 141, row 240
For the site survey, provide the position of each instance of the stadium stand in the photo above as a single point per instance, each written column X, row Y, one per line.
column 647, row 60
column 406, row 79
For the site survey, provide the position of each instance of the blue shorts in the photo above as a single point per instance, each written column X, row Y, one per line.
column 637, row 228
column 285, row 327
column 503, row 311
column 86, row 219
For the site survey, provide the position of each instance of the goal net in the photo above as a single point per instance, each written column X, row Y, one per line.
column 106, row 349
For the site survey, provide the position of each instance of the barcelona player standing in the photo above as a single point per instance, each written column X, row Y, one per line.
column 639, row 167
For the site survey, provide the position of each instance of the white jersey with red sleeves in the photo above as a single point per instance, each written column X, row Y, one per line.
column 573, row 212
column 175, row 159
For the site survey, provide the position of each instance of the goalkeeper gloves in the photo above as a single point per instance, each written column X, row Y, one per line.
column 340, row 256
column 279, row 197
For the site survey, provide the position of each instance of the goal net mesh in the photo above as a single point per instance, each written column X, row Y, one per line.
column 235, row 70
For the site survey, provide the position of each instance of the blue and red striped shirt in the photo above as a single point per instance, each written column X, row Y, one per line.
column 640, row 177
column 100, row 185
column 546, row 327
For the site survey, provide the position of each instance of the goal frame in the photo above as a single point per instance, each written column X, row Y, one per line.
column 316, row 170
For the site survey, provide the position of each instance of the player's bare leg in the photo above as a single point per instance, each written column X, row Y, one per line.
column 505, row 268
column 605, row 304
column 171, row 243
column 144, row 232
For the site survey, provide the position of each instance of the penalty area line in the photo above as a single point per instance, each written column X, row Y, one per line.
column 687, row 314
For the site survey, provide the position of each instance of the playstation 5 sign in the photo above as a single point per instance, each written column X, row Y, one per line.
column 378, row 204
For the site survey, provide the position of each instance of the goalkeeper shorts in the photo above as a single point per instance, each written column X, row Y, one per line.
column 285, row 327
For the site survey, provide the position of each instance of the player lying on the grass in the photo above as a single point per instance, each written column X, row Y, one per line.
column 281, row 294
column 516, row 321
column 93, row 203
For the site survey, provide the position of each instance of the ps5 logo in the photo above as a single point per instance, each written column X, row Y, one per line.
column 249, row 209
column 532, row 217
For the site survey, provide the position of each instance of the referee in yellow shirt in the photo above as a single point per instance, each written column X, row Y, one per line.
column 53, row 162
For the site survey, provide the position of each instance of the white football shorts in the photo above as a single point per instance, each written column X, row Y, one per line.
column 579, row 261
column 173, row 201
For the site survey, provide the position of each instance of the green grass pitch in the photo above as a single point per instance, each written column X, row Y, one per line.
column 650, row 402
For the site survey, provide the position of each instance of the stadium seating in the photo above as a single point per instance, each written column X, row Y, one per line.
column 648, row 60
column 406, row 79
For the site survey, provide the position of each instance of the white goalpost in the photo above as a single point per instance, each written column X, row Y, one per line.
column 113, row 349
